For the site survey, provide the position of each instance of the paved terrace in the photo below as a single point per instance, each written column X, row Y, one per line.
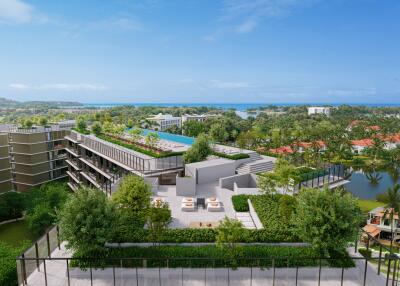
column 307, row 276
column 181, row 219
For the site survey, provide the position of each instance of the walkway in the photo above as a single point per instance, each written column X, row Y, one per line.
column 246, row 220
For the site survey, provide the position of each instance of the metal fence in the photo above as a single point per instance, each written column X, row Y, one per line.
column 43, row 264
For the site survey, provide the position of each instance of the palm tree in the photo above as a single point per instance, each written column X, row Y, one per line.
column 392, row 207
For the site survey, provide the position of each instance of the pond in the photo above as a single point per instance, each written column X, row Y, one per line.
column 14, row 233
column 360, row 186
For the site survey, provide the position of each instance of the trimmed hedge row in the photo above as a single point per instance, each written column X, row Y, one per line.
column 240, row 203
column 196, row 257
column 192, row 235
column 232, row 157
column 138, row 149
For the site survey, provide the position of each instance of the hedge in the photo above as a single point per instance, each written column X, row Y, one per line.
column 193, row 235
column 138, row 149
column 232, row 157
column 195, row 257
column 8, row 265
column 240, row 203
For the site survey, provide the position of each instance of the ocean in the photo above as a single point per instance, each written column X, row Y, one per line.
column 226, row 106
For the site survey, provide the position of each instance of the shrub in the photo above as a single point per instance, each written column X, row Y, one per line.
column 96, row 128
column 12, row 205
column 199, row 150
column 8, row 266
column 232, row 157
column 240, row 203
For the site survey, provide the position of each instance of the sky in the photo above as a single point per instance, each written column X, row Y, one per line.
column 201, row 51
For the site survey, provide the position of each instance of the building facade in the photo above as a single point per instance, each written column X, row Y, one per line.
column 5, row 165
column 162, row 122
column 36, row 155
column 319, row 110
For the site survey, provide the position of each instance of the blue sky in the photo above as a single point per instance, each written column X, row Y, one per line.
column 229, row 51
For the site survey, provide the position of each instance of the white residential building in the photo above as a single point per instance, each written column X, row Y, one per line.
column 319, row 110
column 195, row 117
column 164, row 121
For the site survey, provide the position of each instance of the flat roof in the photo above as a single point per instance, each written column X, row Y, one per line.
column 209, row 163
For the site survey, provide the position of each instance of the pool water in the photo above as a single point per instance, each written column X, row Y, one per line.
column 172, row 137
column 361, row 187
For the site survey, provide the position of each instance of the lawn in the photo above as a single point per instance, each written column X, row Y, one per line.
column 368, row 205
column 15, row 232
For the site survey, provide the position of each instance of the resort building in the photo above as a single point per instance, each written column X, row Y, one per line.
column 162, row 122
column 195, row 117
column 358, row 146
column 319, row 110
column 379, row 225
column 35, row 155
column 5, row 165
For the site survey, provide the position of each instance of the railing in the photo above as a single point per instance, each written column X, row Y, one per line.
column 129, row 159
column 36, row 129
column 327, row 176
column 45, row 264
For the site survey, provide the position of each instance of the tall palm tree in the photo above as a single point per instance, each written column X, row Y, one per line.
column 392, row 208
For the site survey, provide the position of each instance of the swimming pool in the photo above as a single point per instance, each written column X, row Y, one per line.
column 172, row 137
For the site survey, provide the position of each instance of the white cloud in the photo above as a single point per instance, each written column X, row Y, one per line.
column 353, row 92
column 59, row 87
column 19, row 12
column 15, row 11
column 246, row 27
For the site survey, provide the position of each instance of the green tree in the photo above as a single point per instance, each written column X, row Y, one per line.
column 133, row 195
column 158, row 218
column 12, row 205
column 96, row 128
column 86, row 222
column 152, row 138
column 229, row 233
column 40, row 218
column 326, row 219
column 283, row 177
column 27, row 123
column 135, row 133
column 193, row 128
column 43, row 121
column 218, row 133
column 81, row 124
column 199, row 150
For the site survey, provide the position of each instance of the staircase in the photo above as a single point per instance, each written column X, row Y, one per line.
column 257, row 164
column 246, row 220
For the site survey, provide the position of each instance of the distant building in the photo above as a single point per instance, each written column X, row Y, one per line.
column 162, row 122
column 30, row 157
column 359, row 146
column 196, row 117
column 319, row 110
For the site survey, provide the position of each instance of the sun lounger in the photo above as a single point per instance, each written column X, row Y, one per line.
column 188, row 200
column 212, row 200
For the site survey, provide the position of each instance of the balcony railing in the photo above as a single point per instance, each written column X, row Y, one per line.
column 130, row 159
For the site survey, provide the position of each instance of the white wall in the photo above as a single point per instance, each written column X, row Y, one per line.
column 185, row 186
column 210, row 174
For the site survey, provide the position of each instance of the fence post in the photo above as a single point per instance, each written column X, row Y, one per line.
column 68, row 272
column 366, row 263
column 273, row 275
column 37, row 255
column 319, row 272
column 23, row 266
column 45, row 272
column 380, row 257
column 388, row 271
column 48, row 244
column 58, row 237
column 394, row 271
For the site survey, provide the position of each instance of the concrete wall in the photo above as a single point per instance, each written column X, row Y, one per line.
column 185, row 186
column 214, row 173
column 245, row 191
column 254, row 216
column 242, row 181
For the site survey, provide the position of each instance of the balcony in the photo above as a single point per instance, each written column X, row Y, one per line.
column 74, row 177
column 73, row 152
column 92, row 179
column 73, row 164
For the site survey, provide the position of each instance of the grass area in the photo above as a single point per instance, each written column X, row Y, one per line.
column 368, row 205
column 212, row 256
column 14, row 233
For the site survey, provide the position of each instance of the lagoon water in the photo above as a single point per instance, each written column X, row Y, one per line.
column 361, row 187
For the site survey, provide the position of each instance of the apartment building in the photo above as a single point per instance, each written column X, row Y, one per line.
column 36, row 155
column 319, row 110
column 194, row 117
column 5, row 165
column 162, row 122
column 100, row 164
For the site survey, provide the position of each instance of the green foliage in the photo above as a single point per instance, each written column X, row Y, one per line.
column 283, row 177
column 240, row 203
column 42, row 204
column 229, row 233
column 139, row 149
column 86, row 221
column 135, row 133
column 8, row 266
column 133, row 195
column 12, row 205
column 81, row 125
column 96, row 128
column 238, row 156
column 328, row 220
column 199, row 150
column 152, row 138
column 218, row 133
column 193, row 128
column 156, row 255
column 158, row 218
column 287, row 206
column 268, row 209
